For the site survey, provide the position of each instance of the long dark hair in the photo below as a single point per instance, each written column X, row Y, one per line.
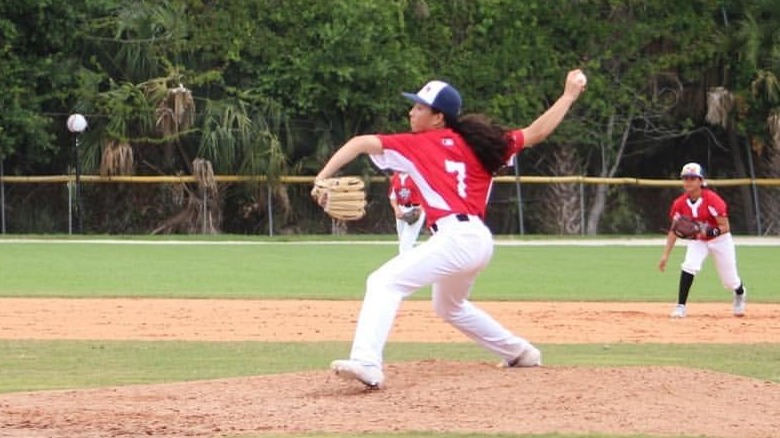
column 487, row 139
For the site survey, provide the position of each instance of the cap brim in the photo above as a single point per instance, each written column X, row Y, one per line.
column 415, row 98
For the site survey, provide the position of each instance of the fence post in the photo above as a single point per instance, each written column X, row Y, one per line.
column 582, row 206
column 69, row 187
column 270, row 205
column 2, row 188
column 519, row 194
column 205, row 209
column 756, row 205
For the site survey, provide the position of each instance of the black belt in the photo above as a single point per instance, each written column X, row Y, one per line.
column 460, row 217
column 410, row 205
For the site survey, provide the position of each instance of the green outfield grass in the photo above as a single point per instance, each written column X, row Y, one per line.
column 287, row 268
column 296, row 270
column 43, row 365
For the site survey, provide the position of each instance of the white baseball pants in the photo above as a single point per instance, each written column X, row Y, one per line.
column 450, row 261
column 408, row 233
column 723, row 254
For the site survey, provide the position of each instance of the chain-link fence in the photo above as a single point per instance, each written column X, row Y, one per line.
column 252, row 206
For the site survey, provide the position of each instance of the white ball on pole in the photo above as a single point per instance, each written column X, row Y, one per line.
column 77, row 123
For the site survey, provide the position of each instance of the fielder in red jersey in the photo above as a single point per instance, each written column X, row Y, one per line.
column 403, row 190
column 711, row 212
column 406, row 200
column 452, row 160
column 706, row 210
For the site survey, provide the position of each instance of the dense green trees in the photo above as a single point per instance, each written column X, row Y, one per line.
column 271, row 87
column 36, row 64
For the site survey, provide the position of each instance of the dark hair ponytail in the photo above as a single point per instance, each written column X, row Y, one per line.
column 487, row 139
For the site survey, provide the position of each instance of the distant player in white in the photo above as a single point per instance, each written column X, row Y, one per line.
column 711, row 211
column 452, row 160
column 404, row 197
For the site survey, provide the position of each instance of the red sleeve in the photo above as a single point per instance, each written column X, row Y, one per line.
column 400, row 141
column 517, row 141
column 390, row 188
column 718, row 204
column 675, row 210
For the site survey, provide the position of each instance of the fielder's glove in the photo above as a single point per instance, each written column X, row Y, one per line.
column 412, row 216
column 686, row 228
column 342, row 198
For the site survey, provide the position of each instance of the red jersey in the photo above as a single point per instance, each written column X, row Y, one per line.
column 706, row 209
column 403, row 190
column 450, row 177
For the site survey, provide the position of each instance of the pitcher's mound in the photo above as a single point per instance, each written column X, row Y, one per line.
column 428, row 395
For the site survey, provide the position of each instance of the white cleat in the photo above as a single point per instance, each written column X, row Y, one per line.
column 369, row 375
column 530, row 357
column 679, row 311
column 739, row 303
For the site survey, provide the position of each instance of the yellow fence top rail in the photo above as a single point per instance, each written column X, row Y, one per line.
column 50, row 179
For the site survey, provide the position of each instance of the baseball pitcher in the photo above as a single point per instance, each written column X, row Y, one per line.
column 452, row 159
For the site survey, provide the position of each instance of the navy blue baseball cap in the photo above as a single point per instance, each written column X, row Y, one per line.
column 440, row 96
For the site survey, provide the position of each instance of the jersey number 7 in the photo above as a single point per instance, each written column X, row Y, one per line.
column 459, row 169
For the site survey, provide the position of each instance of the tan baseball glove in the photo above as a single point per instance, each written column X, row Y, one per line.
column 342, row 198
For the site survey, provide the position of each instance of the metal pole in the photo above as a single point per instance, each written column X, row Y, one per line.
column 205, row 208
column 79, row 213
column 270, row 206
column 519, row 195
column 756, row 206
column 69, row 186
column 2, row 188
column 582, row 208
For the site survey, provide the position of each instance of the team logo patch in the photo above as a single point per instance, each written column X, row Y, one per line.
column 448, row 142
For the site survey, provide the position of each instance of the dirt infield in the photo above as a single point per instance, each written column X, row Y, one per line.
column 427, row 395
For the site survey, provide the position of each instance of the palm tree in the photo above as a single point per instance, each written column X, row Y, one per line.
column 147, row 94
column 751, row 57
column 117, row 159
column 175, row 114
column 241, row 138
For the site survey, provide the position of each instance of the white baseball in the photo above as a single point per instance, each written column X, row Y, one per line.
column 581, row 79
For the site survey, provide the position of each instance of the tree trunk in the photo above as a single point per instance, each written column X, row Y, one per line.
column 739, row 165
column 770, row 196
column 597, row 209
column 599, row 201
column 565, row 210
